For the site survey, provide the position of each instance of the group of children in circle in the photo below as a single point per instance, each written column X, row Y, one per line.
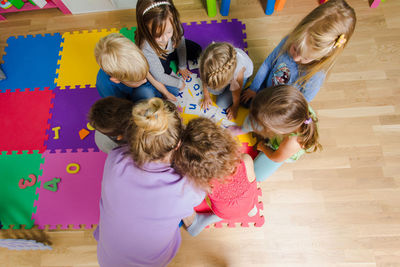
column 157, row 169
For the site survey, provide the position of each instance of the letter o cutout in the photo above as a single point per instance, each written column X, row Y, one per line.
column 73, row 168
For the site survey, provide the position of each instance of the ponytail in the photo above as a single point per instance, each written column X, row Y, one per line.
column 155, row 130
column 308, row 133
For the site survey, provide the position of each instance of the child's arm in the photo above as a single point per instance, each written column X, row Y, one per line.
column 248, row 162
column 206, row 102
column 287, row 148
column 181, row 50
column 160, row 87
column 313, row 85
column 232, row 110
column 265, row 68
column 157, row 70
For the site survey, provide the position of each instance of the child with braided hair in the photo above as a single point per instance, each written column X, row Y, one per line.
column 224, row 71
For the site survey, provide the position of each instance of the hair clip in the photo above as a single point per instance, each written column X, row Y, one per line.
column 340, row 41
column 308, row 121
column 156, row 5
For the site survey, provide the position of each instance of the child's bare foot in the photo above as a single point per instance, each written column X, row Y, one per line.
column 189, row 220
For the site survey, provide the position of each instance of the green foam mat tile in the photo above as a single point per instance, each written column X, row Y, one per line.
column 16, row 204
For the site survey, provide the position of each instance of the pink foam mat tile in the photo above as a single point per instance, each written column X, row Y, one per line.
column 76, row 200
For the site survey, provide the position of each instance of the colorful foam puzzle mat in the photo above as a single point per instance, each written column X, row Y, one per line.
column 50, row 167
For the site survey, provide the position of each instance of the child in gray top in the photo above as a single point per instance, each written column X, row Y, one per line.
column 160, row 36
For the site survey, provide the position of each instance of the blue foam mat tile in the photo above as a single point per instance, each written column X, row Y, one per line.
column 31, row 62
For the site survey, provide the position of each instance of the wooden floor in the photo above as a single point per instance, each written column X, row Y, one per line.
column 339, row 207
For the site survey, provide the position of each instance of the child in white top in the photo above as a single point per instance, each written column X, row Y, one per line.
column 224, row 71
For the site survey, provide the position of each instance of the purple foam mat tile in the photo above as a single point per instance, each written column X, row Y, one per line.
column 224, row 31
column 70, row 109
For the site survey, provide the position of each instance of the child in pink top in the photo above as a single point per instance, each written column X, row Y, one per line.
column 236, row 195
column 210, row 157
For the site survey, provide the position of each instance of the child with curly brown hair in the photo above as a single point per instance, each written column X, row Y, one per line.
column 210, row 157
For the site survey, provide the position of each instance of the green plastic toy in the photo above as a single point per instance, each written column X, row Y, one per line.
column 17, row 3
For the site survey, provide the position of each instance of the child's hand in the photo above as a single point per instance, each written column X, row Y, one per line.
column 189, row 220
column 170, row 97
column 206, row 102
column 260, row 145
column 185, row 73
column 232, row 112
column 247, row 95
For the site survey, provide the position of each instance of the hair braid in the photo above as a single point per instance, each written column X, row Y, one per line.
column 217, row 65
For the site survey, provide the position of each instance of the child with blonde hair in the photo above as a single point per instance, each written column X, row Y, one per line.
column 308, row 53
column 159, row 34
column 124, row 71
column 282, row 115
column 224, row 71
column 143, row 199
column 210, row 158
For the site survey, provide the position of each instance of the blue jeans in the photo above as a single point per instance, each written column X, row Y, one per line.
column 147, row 90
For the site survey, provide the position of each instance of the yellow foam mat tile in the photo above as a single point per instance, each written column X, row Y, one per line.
column 77, row 65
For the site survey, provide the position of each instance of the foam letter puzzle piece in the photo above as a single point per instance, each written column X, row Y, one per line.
column 25, row 183
column 73, row 168
column 52, row 185
column 83, row 133
column 56, row 132
column 89, row 126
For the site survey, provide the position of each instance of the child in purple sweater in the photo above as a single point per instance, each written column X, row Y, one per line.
column 143, row 199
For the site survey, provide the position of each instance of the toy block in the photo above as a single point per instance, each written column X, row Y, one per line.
column 374, row 3
column 225, row 7
column 269, row 9
column 211, row 8
column 279, row 4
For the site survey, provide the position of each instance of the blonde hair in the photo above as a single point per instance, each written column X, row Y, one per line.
column 120, row 58
column 283, row 110
column 151, row 23
column 155, row 130
column 217, row 65
column 319, row 33
column 207, row 152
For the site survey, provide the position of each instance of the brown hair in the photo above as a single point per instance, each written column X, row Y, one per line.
column 217, row 65
column 151, row 25
column 155, row 130
column 282, row 110
column 111, row 115
column 319, row 32
column 207, row 151
column 120, row 58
